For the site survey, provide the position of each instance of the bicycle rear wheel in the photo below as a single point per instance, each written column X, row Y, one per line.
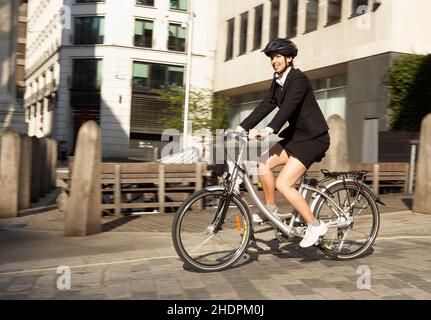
column 344, row 240
column 196, row 237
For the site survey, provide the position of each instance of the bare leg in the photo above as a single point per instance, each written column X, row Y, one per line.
column 285, row 183
column 272, row 158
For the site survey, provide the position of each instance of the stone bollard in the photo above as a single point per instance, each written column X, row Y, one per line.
column 47, row 182
column 45, row 178
column 421, row 198
column 9, row 174
column 336, row 156
column 53, row 162
column 36, row 170
column 83, row 215
column 25, row 172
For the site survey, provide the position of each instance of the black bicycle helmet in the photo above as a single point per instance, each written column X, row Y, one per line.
column 281, row 46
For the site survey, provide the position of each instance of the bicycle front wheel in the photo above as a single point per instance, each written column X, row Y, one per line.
column 202, row 240
column 351, row 237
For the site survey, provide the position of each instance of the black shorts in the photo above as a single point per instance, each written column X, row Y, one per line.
column 308, row 151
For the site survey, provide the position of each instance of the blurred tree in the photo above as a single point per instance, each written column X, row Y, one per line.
column 206, row 110
column 409, row 80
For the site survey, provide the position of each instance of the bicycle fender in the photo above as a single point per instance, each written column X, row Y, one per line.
column 213, row 188
column 219, row 188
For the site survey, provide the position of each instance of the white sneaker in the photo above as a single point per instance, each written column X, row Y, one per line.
column 312, row 234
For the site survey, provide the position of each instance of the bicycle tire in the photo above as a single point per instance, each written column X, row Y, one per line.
column 191, row 223
column 329, row 245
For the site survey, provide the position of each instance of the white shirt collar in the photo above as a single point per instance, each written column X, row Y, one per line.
column 281, row 79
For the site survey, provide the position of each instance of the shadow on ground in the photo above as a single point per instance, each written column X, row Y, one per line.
column 34, row 211
column 408, row 202
column 111, row 225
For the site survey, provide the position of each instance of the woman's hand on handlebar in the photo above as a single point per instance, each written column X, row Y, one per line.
column 258, row 134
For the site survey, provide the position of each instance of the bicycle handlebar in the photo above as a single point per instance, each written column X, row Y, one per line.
column 237, row 135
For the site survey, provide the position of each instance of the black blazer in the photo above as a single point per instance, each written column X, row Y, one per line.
column 297, row 105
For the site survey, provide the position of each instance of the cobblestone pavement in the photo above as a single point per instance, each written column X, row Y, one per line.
column 143, row 264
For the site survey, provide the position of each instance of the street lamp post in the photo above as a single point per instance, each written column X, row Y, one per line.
column 188, row 73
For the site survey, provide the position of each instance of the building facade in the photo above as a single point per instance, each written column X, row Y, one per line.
column 99, row 60
column 345, row 48
column 13, row 24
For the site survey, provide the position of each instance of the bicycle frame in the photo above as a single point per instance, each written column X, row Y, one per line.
column 287, row 230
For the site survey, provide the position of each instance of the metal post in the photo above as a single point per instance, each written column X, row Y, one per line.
column 188, row 74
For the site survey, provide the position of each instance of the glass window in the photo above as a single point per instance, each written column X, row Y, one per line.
column 338, row 81
column 292, row 19
column 275, row 14
column 149, row 3
column 87, row 74
column 179, row 5
column 177, row 37
column 141, row 75
column 89, row 30
column 359, row 7
column 312, row 14
column 258, row 23
column 230, row 32
column 175, row 75
column 147, row 76
column 331, row 95
column 334, row 11
column 332, row 102
column 143, row 33
column 243, row 34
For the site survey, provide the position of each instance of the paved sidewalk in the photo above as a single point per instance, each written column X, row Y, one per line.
column 136, row 260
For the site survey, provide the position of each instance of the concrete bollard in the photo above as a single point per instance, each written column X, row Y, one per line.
column 83, row 216
column 336, row 156
column 421, row 198
column 25, row 172
column 47, row 182
column 9, row 174
column 45, row 178
column 36, row 170
column 53, row 162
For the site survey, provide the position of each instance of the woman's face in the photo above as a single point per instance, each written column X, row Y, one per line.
column 279, row 62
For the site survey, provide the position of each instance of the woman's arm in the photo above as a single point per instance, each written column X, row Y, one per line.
column 295, row 93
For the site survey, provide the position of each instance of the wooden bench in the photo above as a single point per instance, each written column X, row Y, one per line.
column 145, row 185
column 385, row 174
column 167, row 185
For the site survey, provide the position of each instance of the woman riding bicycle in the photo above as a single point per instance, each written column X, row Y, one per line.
column 305, row 140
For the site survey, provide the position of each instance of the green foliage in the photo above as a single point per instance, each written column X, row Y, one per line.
column 410, row 92
column 205, row 110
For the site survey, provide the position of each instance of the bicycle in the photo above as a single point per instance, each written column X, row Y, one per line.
column 213, row 227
